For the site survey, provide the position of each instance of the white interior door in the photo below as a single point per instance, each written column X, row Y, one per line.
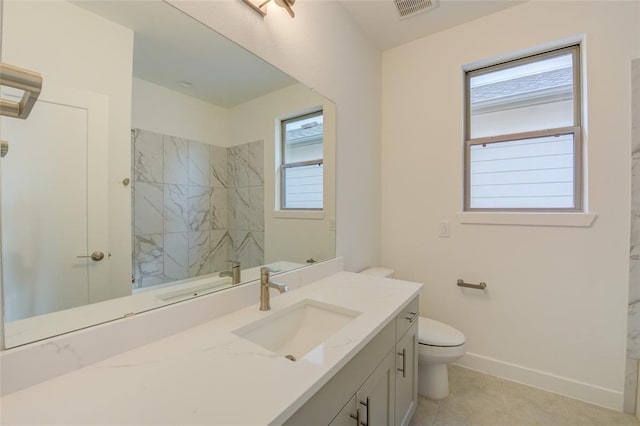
column 54, row 204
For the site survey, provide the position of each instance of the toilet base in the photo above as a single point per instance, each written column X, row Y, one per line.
column 433, row 381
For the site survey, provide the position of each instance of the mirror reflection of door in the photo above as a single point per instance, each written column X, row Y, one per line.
column 51, row 214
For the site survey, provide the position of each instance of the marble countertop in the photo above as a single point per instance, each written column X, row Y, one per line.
column 207, row 374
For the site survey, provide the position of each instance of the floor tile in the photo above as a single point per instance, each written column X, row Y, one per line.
column 425, row 413
column 482, row 399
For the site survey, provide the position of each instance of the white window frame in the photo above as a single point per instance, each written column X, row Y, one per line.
column 576, row 130
column 284, row 165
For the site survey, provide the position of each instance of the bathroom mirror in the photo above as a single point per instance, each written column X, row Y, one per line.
column 157, row 152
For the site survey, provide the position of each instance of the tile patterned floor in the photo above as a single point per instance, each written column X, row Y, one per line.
column 480, row 399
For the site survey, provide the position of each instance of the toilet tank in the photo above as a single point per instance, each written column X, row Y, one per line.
column 379, row 272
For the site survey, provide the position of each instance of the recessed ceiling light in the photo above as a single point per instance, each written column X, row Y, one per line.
column 185, row 84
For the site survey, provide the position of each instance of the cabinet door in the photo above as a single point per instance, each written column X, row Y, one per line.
column 376, row 397
column 349, row 414
column 406, row 375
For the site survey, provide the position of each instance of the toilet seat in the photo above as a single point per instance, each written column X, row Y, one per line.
column 437, row 334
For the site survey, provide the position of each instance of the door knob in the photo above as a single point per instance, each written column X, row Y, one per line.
column 95, row 256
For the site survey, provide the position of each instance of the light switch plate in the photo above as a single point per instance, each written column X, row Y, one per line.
column 443, row 229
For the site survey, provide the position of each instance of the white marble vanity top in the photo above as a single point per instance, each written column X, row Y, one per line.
column 207, row 374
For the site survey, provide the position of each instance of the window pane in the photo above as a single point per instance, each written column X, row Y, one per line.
column 533, row 96
column 527, row 173
column 303, row 187
column 303, row 139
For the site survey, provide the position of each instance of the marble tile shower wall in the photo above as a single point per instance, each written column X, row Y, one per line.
column 633, row 314
column 246, row 202
column 195, row 207
column 633, row 318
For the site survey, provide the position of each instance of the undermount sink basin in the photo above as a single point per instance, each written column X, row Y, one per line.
column 296, row 330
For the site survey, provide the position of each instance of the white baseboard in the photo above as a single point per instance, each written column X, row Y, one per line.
column 597, row 395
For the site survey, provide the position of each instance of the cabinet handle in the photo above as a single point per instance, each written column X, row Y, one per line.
column 366, row 404
column 403, row 354
column 412, row 317
column 356, row 417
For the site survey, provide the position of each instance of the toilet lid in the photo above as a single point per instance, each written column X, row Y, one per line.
column 435, row 333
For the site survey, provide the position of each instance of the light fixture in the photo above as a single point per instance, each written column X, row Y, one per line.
column 262, row 7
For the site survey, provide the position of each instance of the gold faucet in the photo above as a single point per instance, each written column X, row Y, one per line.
column 265, row 284
column 234, row 273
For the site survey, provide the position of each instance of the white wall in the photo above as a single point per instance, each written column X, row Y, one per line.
column 289, row 238
column 161, row 110
column 324, row 49
column 73, row 48
column 554, row 312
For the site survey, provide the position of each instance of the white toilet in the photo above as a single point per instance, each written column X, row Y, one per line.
column 439, row 345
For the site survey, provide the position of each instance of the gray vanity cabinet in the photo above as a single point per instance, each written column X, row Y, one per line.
column 370, row 388
column 407, row 375
column 374, row 403
column 376, row 397
column 348, row 415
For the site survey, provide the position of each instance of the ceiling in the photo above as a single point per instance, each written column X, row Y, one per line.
column 170, row 47
column 225, row 74
column 380, row 21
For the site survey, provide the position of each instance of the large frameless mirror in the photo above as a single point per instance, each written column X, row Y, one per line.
column 154, row 167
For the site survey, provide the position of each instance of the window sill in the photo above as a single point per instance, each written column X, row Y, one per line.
column 299, row 214
column 579, row 220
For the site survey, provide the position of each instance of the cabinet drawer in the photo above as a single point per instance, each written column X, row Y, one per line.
column 407, row 317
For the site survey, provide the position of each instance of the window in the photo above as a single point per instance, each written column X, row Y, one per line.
column 523, row 148
column 302, row 162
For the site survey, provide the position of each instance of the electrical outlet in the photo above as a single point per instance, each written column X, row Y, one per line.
column 443, row 229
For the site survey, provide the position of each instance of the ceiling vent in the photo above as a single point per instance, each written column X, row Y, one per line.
column 408, row 8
